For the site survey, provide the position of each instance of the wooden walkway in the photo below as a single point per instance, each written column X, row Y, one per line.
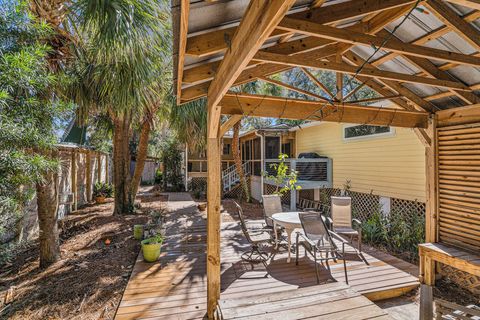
column 329, row 301
column 175, row 287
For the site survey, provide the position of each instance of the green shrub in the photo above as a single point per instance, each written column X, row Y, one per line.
column 158, row 177
column 374, row 230
column 103, row 189
column 395, row 232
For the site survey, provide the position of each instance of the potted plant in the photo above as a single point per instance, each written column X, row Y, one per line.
column 345, row 192
column 284, row 179
column 151, row 248
column 101, row 191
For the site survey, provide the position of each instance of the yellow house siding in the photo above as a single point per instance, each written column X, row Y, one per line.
column 392, row 166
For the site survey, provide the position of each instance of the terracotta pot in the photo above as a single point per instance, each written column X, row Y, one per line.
column 202, row 206
column 100, row 199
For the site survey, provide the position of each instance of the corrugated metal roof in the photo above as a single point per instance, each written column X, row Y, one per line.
column 206, row 16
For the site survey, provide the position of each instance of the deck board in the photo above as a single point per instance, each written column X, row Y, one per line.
column 335, row 301
column 176, row 286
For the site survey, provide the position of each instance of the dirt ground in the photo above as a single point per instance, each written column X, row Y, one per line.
column 97, row 255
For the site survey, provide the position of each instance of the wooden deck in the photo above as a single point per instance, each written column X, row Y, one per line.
column 329, row 301
column 175, row 288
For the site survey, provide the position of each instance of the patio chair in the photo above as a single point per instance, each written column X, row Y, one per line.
column 272, row 204
column 342, row 222
column 318, row 240
column 255, row 237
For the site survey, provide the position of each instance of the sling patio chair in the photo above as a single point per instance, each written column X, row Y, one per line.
column 318, row 241
column 272, row 204
column 342, row 222
column 255, row 237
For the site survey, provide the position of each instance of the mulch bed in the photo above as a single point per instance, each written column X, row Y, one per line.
column 89, row 279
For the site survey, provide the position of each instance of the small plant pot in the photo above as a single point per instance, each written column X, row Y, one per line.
column 138, row 231
column 151, row 251
column 100, row 199
column 202, row 206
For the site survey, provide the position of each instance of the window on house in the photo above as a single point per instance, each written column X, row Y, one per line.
column 364, row 131
column 227, row 148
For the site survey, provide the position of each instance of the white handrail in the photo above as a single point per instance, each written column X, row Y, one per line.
column 230, row 175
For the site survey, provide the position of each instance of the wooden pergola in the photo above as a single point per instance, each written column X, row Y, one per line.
column 421, row 57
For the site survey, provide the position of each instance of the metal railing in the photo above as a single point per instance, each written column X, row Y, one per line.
column 307, row 169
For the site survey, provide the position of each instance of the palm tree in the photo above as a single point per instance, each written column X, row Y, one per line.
column 189, row 122
column 238, row 160
column 120, row 69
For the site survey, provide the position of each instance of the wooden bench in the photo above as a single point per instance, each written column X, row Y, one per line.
column 449, row 255
column 333, row 301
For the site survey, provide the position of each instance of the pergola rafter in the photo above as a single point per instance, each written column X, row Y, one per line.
column 310, row 48
column 214, row 41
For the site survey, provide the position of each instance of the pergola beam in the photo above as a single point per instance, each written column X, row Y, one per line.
column 392, row 85
column 451, row 19
column 474, row 4
column 258, row 22
column 285, row 108
column 357, row 38
column 227, row 125
column 184, row 11
column 292, row 88
column 301, row 48
column 428, row 37
column 317, row 83
column 367, row 72
column 215, row 41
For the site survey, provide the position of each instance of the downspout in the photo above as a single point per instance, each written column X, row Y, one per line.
column 186, row 167
column 262, row 156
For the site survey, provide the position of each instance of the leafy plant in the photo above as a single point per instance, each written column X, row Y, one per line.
column 284, row 179
column 158, row 239
column 394, row 232
column 172, row 161
column 103, row 189
column 158, row 177
column 374, row 230
column 346, row 187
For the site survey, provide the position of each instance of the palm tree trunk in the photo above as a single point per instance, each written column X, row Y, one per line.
column 238, row 160
column 53, row 12
column 142, row 151
column 121, row 166
column 47, row 210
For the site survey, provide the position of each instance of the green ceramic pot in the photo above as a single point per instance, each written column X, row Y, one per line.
column 138, row 231
column 151, row 251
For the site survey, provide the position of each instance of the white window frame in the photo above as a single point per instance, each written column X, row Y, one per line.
column 390, row 133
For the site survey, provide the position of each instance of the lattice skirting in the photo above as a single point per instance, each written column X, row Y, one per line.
column 198, row 183
column 237, row 191
column 270, row 189
column 461, row 278
column 365, row 204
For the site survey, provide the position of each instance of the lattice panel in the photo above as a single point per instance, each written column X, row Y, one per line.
column 364, row 204
column 236, row 192
column 463, row 279
column 198, row 183
column 408, row 208
column 270, row 189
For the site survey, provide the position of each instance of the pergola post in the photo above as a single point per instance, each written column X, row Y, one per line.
column 427, row 265
column 431, row 154
column 213, row 220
